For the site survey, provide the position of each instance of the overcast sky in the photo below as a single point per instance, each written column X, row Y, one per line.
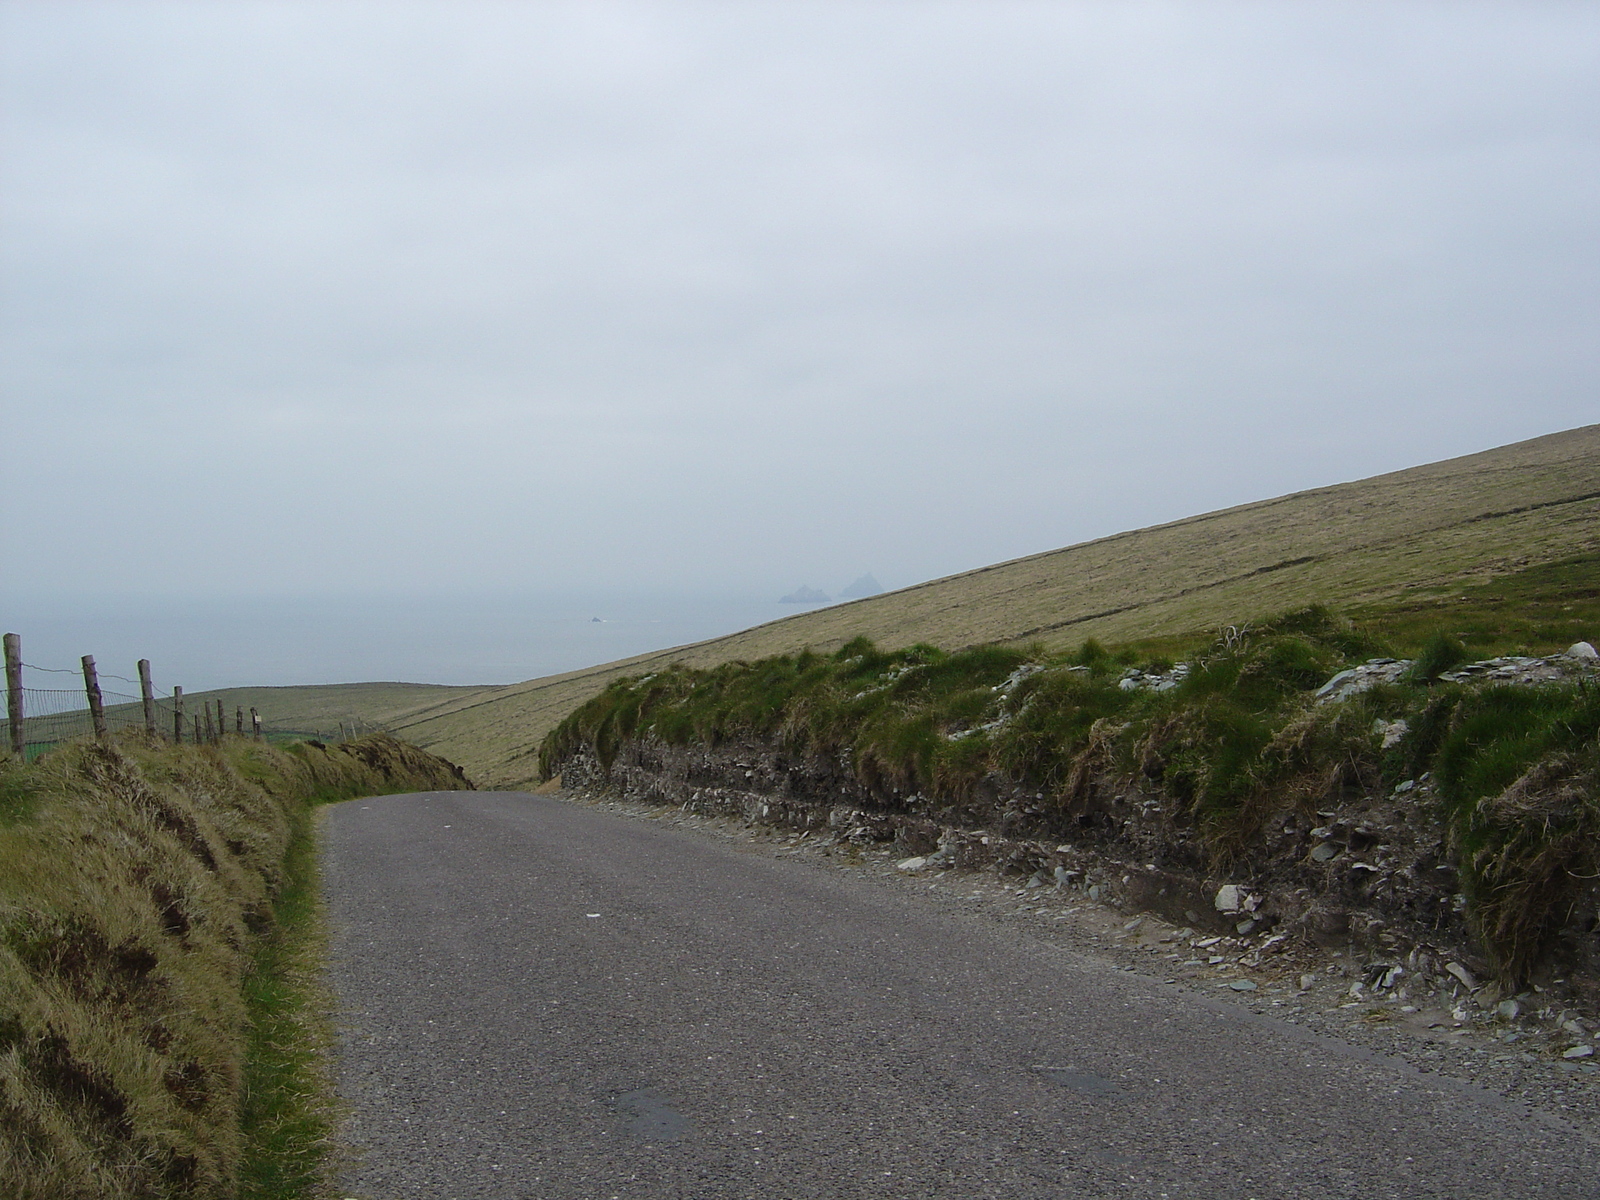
column 338, row 298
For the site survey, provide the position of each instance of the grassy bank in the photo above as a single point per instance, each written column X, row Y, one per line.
column 157, row 994
column 1230, row 746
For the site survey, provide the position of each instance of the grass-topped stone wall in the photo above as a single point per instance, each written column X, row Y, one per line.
column 1422, row 805
column 140, row 890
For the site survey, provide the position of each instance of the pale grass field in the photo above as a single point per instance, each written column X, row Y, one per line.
column 1419, row 531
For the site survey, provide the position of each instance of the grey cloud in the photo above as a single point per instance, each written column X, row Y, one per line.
column 722, row 294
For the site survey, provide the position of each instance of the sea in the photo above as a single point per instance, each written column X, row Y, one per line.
column 203, row 643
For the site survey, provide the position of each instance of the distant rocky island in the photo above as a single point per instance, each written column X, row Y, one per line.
column 865, row 586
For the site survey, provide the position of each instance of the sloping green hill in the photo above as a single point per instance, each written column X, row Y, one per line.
column 1410, row 539
column 1405, row 542
column 321, row 709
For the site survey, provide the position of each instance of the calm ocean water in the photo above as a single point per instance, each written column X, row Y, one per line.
column 503, row 639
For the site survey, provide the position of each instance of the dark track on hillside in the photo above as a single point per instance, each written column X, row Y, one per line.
column 542, row 1001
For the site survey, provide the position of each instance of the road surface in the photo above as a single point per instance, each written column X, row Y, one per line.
column 540, row 1001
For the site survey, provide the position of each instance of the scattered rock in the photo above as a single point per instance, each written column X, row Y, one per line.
column 1463, row 975
column 1231, row 898
column 1242, row 985
column 1578, row 1052
column 1509, row 1009
column 1582, row 650
column 1359, row 679
column 911, row 864
column 1392, row 732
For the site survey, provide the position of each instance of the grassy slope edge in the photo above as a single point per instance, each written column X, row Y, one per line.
column 157, row 911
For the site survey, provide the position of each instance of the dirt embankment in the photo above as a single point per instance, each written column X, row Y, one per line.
column 1370, row 873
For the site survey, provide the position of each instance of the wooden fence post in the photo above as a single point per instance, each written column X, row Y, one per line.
column 222, row 721
column 211, row 734
column 13, row 644
column 177, row 715
column 238, row 721
column 255, row 724
column 197, row 738
column 147, row 692
column 97, row 706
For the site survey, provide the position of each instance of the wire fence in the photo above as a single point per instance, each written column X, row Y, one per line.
column 41, row 718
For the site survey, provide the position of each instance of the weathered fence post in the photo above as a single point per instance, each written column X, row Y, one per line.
column 238, row 721
column 147, row 692
column 255, row 724
column 177, row 715
column 197, row 735
column 97, row 706
column 211, row 734
column 222, row 721
column 13, row 643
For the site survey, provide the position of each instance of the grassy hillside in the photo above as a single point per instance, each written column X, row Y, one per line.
column 322, row 708
column 1424, row 541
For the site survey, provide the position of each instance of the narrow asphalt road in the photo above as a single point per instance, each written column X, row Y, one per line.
column 541, row 1002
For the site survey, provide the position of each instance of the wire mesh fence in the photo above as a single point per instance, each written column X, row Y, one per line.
column 43, row 717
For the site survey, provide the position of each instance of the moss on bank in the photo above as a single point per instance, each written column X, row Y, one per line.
column 141, row 892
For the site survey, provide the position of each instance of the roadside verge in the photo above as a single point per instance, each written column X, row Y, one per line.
column 155, row 906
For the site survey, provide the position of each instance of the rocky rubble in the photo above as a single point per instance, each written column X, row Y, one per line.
column 1580, row 659
column 1368, row 875
column 1441, row 1019
column 1371, row 878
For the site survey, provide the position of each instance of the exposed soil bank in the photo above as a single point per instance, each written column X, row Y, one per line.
column 1369, row 873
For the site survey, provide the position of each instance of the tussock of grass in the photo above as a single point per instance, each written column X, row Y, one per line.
column 1519, row 769
column 140, row 893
